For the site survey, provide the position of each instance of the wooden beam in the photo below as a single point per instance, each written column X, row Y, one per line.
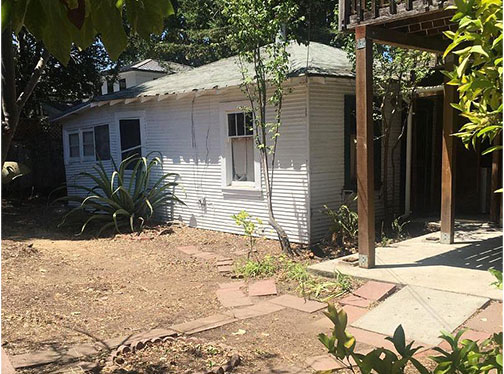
column 365, row 164
column 495, row 184
column 448, row 157
column 399, row 39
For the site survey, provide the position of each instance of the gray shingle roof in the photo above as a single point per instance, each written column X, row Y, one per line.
column 315, row 59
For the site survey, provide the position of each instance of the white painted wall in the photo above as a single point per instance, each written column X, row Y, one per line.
column 133, row 78
column 188, row 131
column 327, row 153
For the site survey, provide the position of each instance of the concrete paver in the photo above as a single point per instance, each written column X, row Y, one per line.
column 298, row 303
column 189, row 249
column 263, row 287
column 355, row 301
column 324, row 363
column 375, row 291
column 232, row 298
column 488, row 320
column 414, row 307
column 259, row 309
column 7, row 367
column 203, row 324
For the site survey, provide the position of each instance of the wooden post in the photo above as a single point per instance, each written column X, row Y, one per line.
column 448, row 157
column 495, row 198
column 365, row 133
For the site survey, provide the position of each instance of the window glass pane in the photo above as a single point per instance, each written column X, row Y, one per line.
column 73, row 141
column 243, row 159
column 130, row 133
column 88, row 143
column 231, row 124
column 122, row 84
column 240, row 126
column 102, row 142
column 249, row 130
column 110, row 87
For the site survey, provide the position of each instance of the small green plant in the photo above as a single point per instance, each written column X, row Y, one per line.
column 250, row 228
column 469, row 357
column 344, row 225
column 266, row 267
column 465, row 357
column 398, row 228
column 308, row 285
column 498, row 276
column 124, row 199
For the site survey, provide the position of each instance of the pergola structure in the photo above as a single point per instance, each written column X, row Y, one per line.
column 414, row 24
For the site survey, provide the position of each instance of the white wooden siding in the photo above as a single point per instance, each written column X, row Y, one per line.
column 187, row 131
column 327, row 152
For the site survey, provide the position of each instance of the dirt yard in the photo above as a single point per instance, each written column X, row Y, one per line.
column 59, row 289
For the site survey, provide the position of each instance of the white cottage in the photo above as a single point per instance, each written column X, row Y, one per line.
column 193, row 119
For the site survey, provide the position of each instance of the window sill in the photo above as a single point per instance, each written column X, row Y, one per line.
column 241, row 192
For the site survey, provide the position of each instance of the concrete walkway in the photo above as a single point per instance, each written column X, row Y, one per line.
column 461, row 267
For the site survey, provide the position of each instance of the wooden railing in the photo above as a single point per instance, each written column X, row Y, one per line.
column 354, row 12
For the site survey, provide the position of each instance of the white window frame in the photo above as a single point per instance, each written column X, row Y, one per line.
column 81, row 135
column 236, row 188
column 81, row 158
column 67, row 138
column 139, row 115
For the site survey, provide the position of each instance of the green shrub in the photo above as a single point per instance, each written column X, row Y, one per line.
column 125, row 199
column 258, row 268
column 344, row 225
column 465, row 357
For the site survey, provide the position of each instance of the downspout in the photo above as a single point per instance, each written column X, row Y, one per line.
column 409, row 139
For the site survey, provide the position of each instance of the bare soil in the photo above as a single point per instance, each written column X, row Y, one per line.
column 59, row 289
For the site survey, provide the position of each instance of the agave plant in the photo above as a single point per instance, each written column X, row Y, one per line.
column 127, row 198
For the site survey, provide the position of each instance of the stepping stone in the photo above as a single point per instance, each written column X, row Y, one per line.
column 231, row 297
column 355, row 301
column 414, row 307
column 225, row 261
column 35, row 358
column 324, row 363
column 375, row 291
column 488, row 320
column 203, row 324
column 298, row 303
column 284, row 370
column 263, row 288
column 7, row 367
column 189, row 249
column 260, row 309
column 207, row 256
column 151, row 334
column 233, row 285
column 225, row 269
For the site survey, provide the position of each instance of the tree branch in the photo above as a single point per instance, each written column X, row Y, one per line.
column 34, row 79
column 9, row 108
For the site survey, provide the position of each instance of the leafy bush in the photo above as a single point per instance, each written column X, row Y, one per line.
column 266, row 267
column 466, row 356
column 477, row 44
column 344, row 225
column 125, row 198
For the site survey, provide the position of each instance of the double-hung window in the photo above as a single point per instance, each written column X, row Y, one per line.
column 131, row 139
column 74, row 146
column 241, row 140
column 89, row 144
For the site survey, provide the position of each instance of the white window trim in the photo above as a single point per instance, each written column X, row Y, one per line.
column 79, row 131
column 230, row 187
column 81, row 135
column 139, row 115
column 67, row 146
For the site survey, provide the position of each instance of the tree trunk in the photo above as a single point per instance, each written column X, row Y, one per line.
column 12, row 107
column 282, row 235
